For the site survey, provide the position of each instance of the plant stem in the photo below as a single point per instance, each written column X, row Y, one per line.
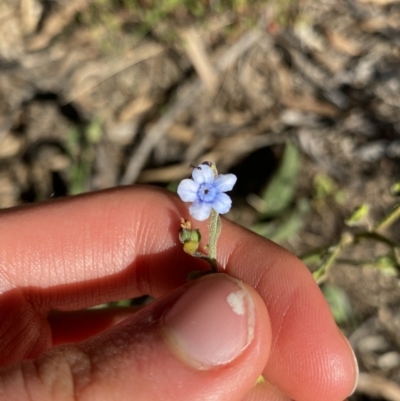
column 375, row 236
column 389, row 219
column 321, row 273
column 346, row 239
column 215, row 231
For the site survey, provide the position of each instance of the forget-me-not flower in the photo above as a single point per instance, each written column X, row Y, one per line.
column 206, row 192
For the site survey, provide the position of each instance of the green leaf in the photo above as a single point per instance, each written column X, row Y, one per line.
column 387, row 264
column 339, row 303
column 284, row 228
column 281, row 190
column 359, row 216
column 94, row 131
column 395, row 189
column 324, row 186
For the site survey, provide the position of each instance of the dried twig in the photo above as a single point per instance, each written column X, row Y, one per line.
column 182, row 103
column 56, row 22
column 377, row 386
column 114, row 67
column 379, row 2
column 152, row 137
column 198, row 56
column 233, row 146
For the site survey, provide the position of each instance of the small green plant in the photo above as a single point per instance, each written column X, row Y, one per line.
column 325, row 187
column 339, row 303
column 106, row 19
column 277, row 205
column 80, row 147
column 390, row 263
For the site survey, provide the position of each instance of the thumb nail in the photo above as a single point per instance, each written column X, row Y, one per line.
column 212, row 323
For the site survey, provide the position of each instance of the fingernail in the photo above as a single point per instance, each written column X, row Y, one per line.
column 212, row 323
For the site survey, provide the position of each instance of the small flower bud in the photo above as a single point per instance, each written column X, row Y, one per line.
column 190, row 238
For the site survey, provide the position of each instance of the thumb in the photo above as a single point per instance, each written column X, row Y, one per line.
column 207, row 340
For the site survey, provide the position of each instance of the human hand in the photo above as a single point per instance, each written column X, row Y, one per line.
column 190, row 343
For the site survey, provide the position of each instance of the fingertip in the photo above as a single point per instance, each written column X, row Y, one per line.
column 353, row 363
column 208, row 339
column 325, row 368
column 263, row 391
column 309, row 360
column 212, row 323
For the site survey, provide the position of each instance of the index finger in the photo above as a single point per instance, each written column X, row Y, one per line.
column 78, row 252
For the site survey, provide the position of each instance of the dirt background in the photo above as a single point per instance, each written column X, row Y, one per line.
column 299, row 99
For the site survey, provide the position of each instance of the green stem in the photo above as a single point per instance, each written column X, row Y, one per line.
column 375, row 236
column 389, row 219
column 314, row 255
column 215, row 231
column 321, row 273
column 346, row 239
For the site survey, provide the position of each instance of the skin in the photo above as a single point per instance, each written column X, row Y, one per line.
column 62, row 256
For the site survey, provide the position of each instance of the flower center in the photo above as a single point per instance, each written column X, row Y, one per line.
column 207, row 193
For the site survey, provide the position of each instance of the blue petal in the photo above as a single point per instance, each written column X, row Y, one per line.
column 187, row 190
column 205, row 175
column 200, row 210
column 222, row 203
column 225, row 182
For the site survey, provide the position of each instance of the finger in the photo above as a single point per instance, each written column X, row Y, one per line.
column 265, row 391
column 207, row 340
column 79, row 252
column 86, row 250
column 310, row 358
column 74, row 326
column 123, row 243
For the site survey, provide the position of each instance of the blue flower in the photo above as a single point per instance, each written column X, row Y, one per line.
column 206, row 191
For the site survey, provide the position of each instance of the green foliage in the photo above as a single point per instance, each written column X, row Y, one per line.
column 339, row 303
column 286, row 12
column 284, row 228
column 389, row 263
column 80, row 147
column 277, row 202
column 152, row 11
column 389, row 219
column 106, row 18
column 395, row 189
column 325, row 187
column 172, row 186
column 281, row 189
column 359, row 216
column 190, row 238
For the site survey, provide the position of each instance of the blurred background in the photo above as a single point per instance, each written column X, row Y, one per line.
column 299, row 98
